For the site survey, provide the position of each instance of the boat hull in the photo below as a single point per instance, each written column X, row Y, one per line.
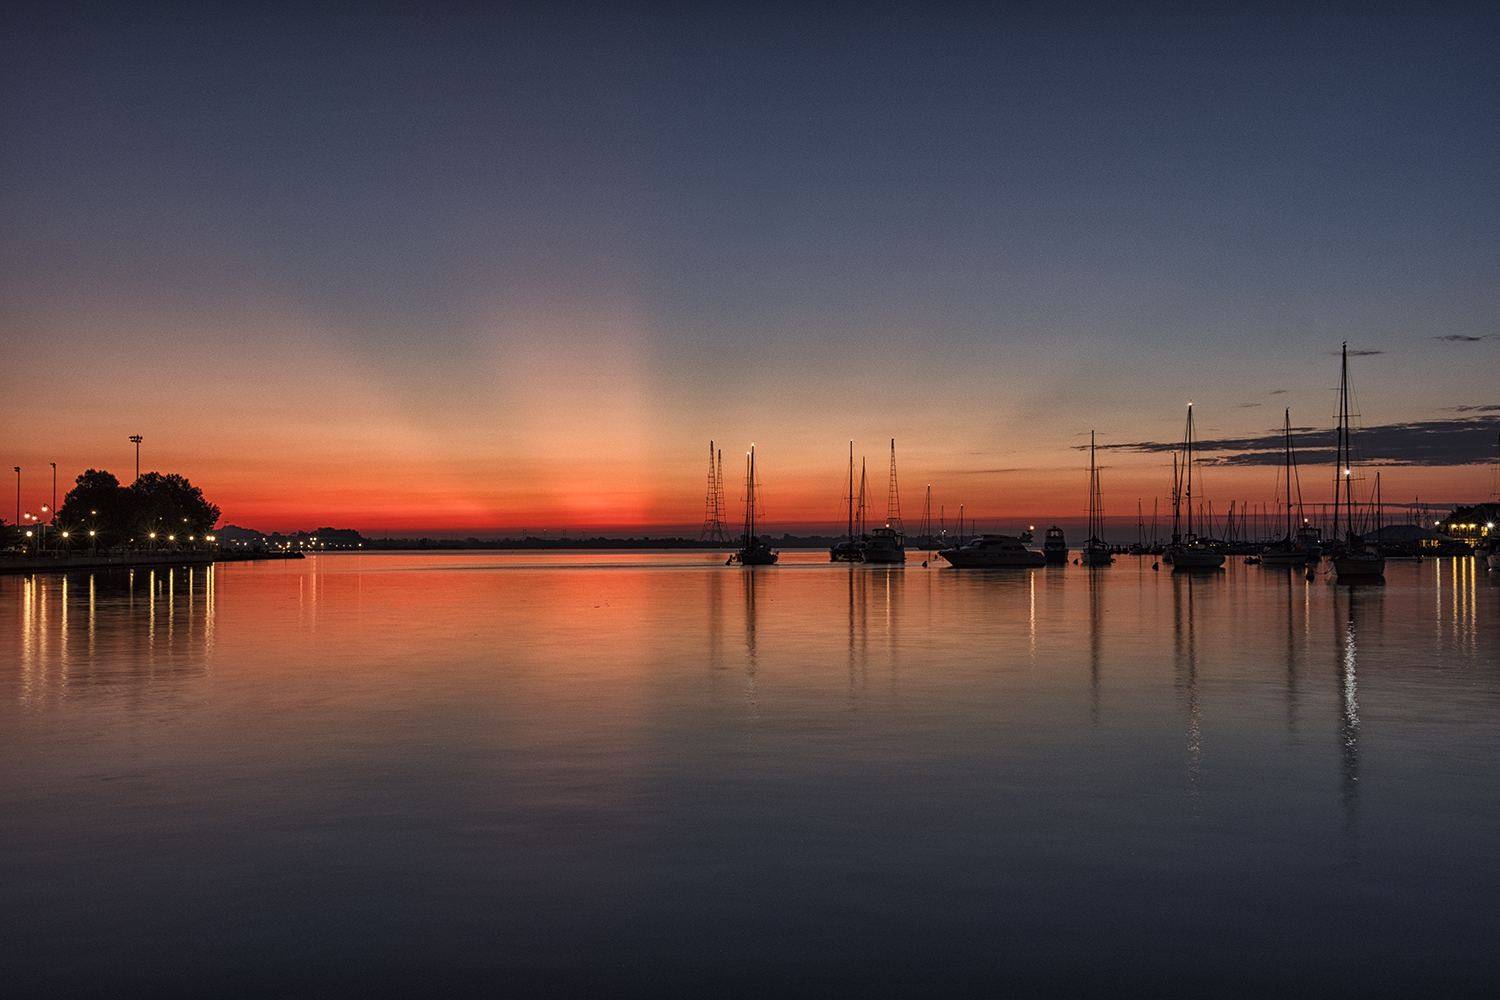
column 1358, row 567
column 873, row 554
column 1095, row 557
column 1281, row 557
column 1194, row 559
column 1003, row 559
column 844, row 552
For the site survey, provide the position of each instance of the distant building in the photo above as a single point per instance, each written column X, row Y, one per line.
column 234, row 537
column 1478, row 521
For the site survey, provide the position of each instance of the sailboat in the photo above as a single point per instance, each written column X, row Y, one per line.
column 1352, row 561
column 1293, row 549
column 888, row 544
column 848, row 549
column 1095, row 551
column 1187, row 552
column 753, row 551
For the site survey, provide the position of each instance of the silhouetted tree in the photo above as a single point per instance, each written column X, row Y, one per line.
column 167, row 504
column 98, row 502
column 173, row 502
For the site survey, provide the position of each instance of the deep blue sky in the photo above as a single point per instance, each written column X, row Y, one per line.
column 980, row 231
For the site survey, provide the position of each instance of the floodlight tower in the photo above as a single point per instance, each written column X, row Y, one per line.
column 713, row 503
column 893, row 499
column 136, row 439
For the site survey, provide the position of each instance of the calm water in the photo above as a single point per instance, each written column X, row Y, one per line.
column 650, row 773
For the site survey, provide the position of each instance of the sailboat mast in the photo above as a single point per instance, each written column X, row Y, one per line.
column 861, row 496
column 850, row 498
column 1093, row 492
column 1341, row 474
column 1176, row 501
column 893, row 497
column 750, row 496
column 1286, row 424
column 927, row 516
column 1188, row 461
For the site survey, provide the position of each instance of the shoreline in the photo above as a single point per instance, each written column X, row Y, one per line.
column 63, row 562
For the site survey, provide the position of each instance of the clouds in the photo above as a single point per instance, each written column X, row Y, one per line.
column 1459, row 338
column 1448, row 442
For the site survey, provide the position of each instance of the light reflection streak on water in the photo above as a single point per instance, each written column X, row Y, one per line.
column 1031, row 628
column 1349, row 721
column 1291, row 652
column 1187, row 655
column 1096, row 598
column 72, row 633
column 752, row 704
column 93, row 612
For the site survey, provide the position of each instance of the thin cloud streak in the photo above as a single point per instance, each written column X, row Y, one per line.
column 1461, row 441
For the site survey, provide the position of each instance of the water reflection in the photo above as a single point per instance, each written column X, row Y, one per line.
column 1348, row 692
column 1096, row 624
column 749, row 582
column 858, row 635
column 1457, row 604
column 76, row 631
column 1183, row 585
column 531, row 758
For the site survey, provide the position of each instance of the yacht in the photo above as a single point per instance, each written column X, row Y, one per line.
column 1055, row 546
column 993, row 552
column 885, row 545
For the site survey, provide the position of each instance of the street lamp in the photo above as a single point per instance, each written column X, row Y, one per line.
column 136, row 439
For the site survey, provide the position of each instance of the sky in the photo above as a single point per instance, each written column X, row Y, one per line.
column 484, row 271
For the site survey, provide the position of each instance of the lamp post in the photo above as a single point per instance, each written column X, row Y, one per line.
column 18, row 497
column 54, row 494
column 136, row 439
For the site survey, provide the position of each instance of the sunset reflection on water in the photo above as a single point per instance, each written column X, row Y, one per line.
column 615, row 771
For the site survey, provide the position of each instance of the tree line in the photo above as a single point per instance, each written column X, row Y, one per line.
column 166, row 504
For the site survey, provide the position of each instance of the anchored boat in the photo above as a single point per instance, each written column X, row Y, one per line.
column 1352, row 560
column 1095, row 551
column 993, row 552
column 753, row 551
column 1187, row 551
column 1055, row 546
column 1297, row 548
column 888, row 544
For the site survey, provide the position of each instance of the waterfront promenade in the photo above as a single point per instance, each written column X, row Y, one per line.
column 63, row 562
